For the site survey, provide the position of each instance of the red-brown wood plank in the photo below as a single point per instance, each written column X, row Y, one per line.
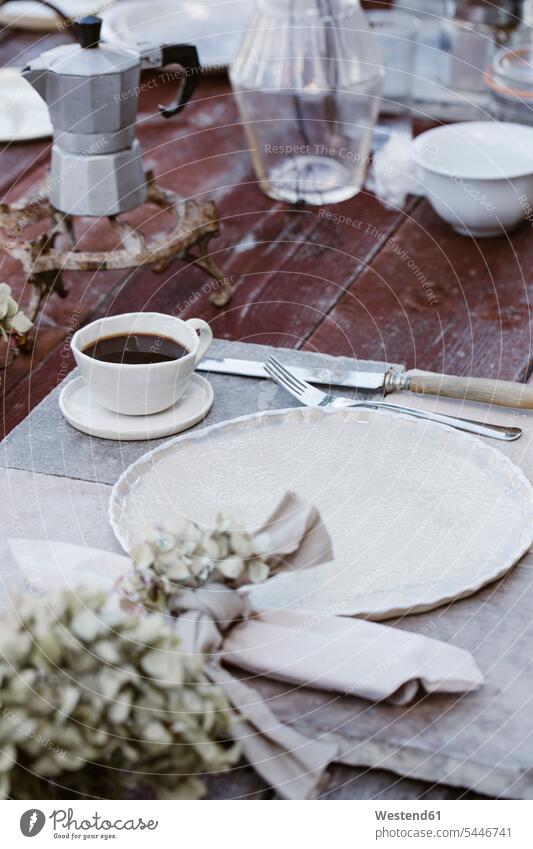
column 37, row 379
column 431, row 299
column 294, row 276
column 287, row 267
column 286, row 277
column 480, row 323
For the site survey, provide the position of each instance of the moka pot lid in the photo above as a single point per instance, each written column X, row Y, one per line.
column 92, row 57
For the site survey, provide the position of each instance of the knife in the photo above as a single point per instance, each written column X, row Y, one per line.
column 503, row 392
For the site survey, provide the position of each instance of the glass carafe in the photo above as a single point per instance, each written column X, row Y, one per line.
column 308, row 80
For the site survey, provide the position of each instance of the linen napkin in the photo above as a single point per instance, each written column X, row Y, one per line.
column 348, row 656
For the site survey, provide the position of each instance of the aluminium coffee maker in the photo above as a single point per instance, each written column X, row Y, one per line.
column 91, row 89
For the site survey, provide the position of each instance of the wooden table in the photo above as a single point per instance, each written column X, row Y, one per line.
column 394, row 285
column 385, row 285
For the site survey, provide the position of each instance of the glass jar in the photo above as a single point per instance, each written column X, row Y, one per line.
column 510, row 80
column 477, row 30
column 308, row 80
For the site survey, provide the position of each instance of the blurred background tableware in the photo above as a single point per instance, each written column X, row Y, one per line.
column 307, row 80
column 38, row 17
column 510, row 81
column 475, row 28
column 23, row 115
column 478, row 175
column 215, row 26
column 457, row 41
column 396, row 34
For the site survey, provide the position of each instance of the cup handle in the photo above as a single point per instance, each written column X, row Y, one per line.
column 206, row 336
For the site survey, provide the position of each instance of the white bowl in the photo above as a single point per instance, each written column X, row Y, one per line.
column 478, row 175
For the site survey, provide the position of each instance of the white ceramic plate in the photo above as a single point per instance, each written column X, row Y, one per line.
column 86, row 415
column 419, row 514
column 23, row 114
column 216, row 27
column 38, row 18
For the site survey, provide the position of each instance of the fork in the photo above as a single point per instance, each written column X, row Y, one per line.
column 313, row 397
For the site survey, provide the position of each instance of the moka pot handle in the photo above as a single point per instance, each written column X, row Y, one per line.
column 186, row 56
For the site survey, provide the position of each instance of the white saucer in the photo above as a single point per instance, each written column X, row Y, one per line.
column 86, row 415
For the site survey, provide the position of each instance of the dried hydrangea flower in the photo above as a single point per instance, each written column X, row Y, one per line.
column 185, row 554
column 86, row 685
column 12, row 319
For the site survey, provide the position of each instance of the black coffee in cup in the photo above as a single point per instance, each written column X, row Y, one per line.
column 135, row 349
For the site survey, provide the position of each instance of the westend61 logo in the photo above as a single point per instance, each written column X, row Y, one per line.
column 32, row 822
column 65, row 824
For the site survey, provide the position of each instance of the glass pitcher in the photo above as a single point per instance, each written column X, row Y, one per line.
column 308, row 80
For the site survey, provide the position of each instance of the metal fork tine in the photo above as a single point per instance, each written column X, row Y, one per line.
column 286, row 373
column 281, row 379
column 277, row 378
column 286, row 381
column 283, row 382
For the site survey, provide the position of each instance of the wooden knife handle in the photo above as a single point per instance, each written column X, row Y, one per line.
column 502, row 392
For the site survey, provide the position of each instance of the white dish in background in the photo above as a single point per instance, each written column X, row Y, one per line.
column 23, row 114
column 478, row 175
column 215, row 27
column 86, row 415
column 38, row 18
column 419, row 514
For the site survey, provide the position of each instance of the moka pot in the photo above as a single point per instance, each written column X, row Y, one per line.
column 91, row 89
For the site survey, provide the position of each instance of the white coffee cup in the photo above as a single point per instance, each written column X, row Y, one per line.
column 141, row 389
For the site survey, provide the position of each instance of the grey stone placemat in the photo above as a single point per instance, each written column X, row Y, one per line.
column 44, row 442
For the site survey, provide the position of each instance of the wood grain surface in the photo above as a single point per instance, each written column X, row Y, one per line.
column 353, row 279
